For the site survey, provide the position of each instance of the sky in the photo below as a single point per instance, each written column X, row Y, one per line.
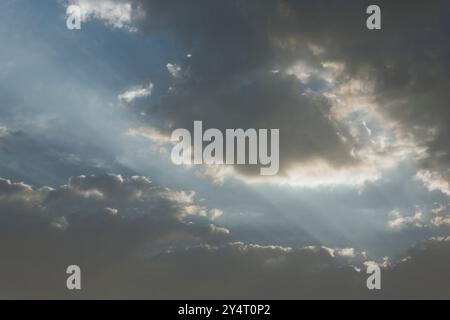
column 86, row 175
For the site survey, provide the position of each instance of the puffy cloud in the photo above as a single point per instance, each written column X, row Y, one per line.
column 398, row 221
column 135, row 206
column 437, row 217
column 441, row 221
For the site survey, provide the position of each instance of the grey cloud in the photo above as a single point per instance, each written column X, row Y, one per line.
column 7, row 188
column 232, row 271
column 147, row 247
column 273, row 273
column 96, row 222
column 130, row 208
column 235, row 44
column 407, row 61
column 271, row 101
column 228, row 83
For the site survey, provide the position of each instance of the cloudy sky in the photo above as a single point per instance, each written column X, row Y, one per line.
column 86, row 176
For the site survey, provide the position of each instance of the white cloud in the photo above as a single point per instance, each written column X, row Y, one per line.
column 385, row 264
column 135, row 93
column 434, row 181
column 346, row 252
column 398, row 221
column 430, row 218
column 441, row 221
column 114, row 13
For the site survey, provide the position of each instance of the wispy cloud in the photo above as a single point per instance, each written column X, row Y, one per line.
column 135, row 93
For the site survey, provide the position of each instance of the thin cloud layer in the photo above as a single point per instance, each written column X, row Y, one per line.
column 135, row 93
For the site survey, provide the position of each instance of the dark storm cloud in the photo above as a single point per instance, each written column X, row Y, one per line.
column 408, row 60
column 125, row 233
column 93, row 221
column 229, row 79
column 130, row 209
column 235, row 44
column 240, row 271
column 271, row 101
